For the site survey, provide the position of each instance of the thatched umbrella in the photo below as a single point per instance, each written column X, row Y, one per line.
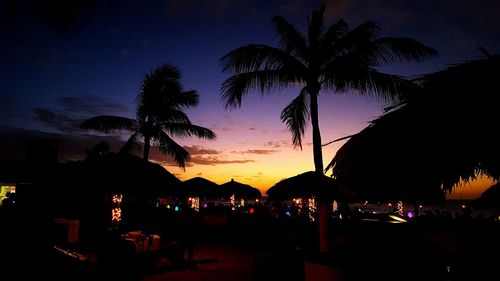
column 201, row 187
column 437, row 136
column 239, row 190
column 85, row 189
column 115, row 173
column 304, row 185
column 489, row 198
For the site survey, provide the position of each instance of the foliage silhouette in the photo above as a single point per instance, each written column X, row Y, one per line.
column 334, row 59
column 429, row 142
column 160, row 115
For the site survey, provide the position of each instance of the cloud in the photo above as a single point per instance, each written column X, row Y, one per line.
column 260, row 151
column 278, row 144
column 198, row 150
column 91, row 105
column 13, row 143
column 252, row 129
column 224, row 129
column 216, row 161
column 73, row 110
column 199, row 156
column 58, row 121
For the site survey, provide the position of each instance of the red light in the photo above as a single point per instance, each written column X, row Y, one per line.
column 252, row 211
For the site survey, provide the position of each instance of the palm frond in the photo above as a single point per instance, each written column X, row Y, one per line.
column 173, row 149
column 331, row 36
column 255, row 57
column 357, row 37
column 400, row 49
column 187, row 99
column 173, row 116
column 235, row 87
column 295, row 116
column 158, row 90
column 291, row 40
column 165, row 71
column 188, row 130
column 132, row 145
column 109, row 124
column 315, row 28
column 368, row 81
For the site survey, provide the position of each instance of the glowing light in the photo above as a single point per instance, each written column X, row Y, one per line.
column 117, row 199
column 252, row 210
column 242, row 202
column 400, row 208
column 176, row 208
column 410, row 215
column 116, row 212
column 335, row 206
column 116, row 215
column 232, row 201
column 298, row 205
column 312, row 208
column 195, row 203
column 257, row 200
column 205, row 205
column 168, row 206
column 397, row 219
column 288, row 214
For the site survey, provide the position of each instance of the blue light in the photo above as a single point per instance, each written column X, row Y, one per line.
column 288, row 213
column 176, row 208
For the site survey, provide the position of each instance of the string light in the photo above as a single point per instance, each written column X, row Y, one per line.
column 116, row 215
column 116, row 212
column 298, row 204
column 400, row 208
column 195, row 203
column 312, row 208
column 232, row 201
column 335, row 206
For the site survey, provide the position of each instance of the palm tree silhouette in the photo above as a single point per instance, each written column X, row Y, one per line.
column 159, row 115
column 335, row 60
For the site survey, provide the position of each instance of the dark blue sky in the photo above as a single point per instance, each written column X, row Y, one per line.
column 62, row 61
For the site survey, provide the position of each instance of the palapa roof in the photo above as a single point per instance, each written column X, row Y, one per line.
column 240, row 190
column 304, row 185
column 121, row 173
column 440, row 134
column 201, row 187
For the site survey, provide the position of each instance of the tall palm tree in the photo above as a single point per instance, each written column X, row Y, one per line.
column 159, row 115
column 335, row 60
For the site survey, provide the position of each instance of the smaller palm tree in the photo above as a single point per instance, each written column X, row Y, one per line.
column 159, row 115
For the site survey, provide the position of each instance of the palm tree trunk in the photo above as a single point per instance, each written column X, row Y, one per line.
column 316, row 135
column 318, row 167
column 147, row 140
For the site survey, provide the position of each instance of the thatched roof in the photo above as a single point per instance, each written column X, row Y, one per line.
column 240, row 190
column 119, row 173
column 490, row 197
column 442, row 133
column 304, row 185
column 201, row 187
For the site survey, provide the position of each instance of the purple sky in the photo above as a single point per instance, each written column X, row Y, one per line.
column 61, row 65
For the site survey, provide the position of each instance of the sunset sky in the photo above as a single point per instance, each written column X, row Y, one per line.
column 62, row 65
